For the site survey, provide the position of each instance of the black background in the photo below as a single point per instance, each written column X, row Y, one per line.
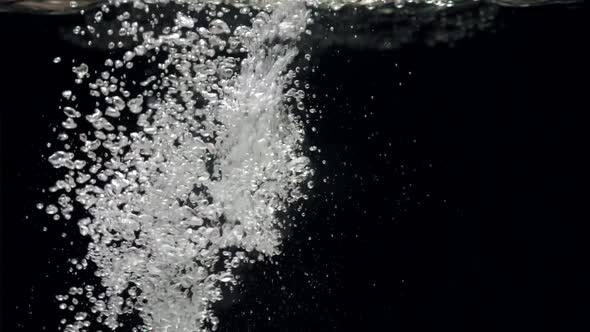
column 452, row 202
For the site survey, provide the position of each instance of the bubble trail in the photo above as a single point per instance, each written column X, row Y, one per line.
column 180, row 176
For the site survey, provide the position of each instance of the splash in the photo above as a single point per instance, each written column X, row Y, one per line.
column 180, row 176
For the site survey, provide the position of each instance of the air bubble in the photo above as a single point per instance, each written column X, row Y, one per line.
column 72, row 113
column 80, row 316
column 51, row 209
column 81, row 70
column 218, row 26
column 60, row 158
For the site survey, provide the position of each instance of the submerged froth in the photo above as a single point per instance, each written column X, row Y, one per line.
column 181, row 175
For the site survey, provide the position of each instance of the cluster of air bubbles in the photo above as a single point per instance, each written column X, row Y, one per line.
column 177, row 178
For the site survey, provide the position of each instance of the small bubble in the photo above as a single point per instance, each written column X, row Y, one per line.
column 81, row 70
column 51, row 209
column 112, row 112
column 69, row 124
column 218, row 26
column 70, row 112
column 119, row 103
column 80, row 316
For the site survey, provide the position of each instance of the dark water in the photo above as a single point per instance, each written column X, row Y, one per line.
column 453, row 190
